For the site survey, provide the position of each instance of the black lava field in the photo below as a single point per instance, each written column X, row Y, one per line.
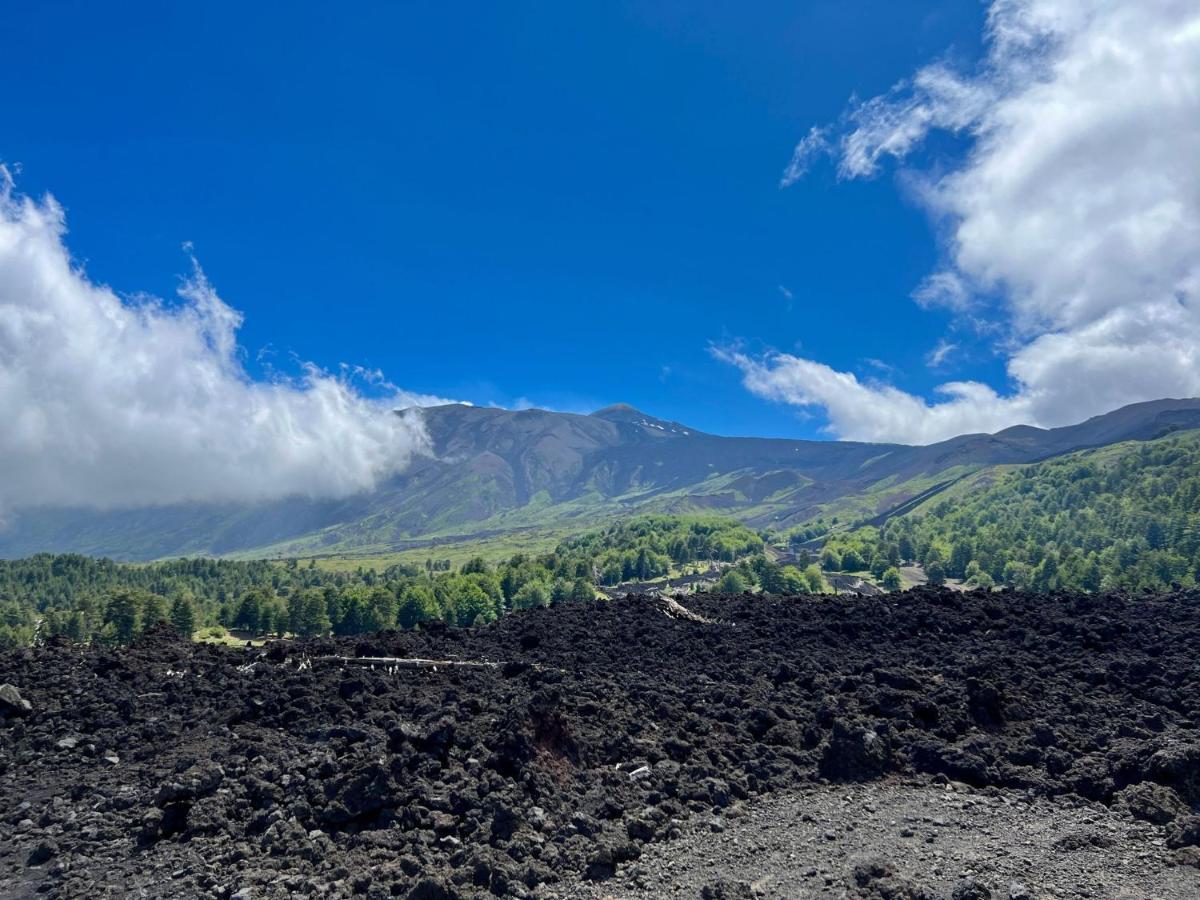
column 180, row 769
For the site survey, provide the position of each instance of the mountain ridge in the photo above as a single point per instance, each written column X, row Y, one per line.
column 493, row 470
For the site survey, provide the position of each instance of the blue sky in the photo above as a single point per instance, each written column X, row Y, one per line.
column 872, row 221
column 558, row 204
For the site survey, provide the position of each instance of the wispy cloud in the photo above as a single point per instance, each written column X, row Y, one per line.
column 939, row 354
column 814, row 145
column 946, row 290
column 880, row 366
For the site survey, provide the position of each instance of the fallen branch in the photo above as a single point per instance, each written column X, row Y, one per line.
column 404, row 662
column 677, row 610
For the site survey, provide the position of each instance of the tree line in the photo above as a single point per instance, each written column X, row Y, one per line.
column 88, row 599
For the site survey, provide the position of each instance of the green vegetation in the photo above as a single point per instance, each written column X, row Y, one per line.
column 457, row 549
column 647, row 547
column 93, row 599
column 1125, row 516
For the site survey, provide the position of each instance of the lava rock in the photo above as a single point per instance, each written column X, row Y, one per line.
column 971, row 889
column 1178, row 765
column 44, row 852
column 193, row 783
column 723, row 889
column 876, row 877
column 1152, row 802
column 1184, row 832
column 12, row 704
column 855, row 753
column 293, row 777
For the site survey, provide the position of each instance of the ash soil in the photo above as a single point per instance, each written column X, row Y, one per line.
column 606, row 740
column 905, row 839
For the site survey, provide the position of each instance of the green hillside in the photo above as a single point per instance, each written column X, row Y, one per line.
column 1124, row 516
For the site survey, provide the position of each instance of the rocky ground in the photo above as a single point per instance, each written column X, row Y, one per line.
column 906, row 839
column 624, row 748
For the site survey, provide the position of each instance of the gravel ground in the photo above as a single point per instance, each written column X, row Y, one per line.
column 935, row 839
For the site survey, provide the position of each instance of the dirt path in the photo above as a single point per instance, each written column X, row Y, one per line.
column 834, row 841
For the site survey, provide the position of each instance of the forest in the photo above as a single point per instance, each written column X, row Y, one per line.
column 1123, row 517
column 87, row 599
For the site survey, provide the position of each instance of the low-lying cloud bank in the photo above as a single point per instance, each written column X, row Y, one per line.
column 109, row 402
column 1071, row 226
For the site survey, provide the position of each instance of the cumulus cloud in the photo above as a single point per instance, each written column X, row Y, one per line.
column 114, row 402
column 1071, row 224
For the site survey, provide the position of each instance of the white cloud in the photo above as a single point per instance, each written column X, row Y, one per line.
column 813, row 145
column 111, row 402
column 940, row 353
column 945, row 289
column 892, row 125
column 1073, row 220
column 869, row 412
column 880, row 365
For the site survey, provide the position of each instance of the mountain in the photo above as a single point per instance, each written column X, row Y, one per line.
column 497, row 470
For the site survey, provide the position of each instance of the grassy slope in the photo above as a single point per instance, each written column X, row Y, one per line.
column 717, row 495
column 493, row 548
column 540, row 525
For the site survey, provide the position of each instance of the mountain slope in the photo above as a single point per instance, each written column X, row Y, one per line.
column 494, row 470
column 1125, row 515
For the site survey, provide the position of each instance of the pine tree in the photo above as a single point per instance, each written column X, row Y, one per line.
column 121, row 612
column 154, row 610
column 249, row 612
column 352, row 616
column 76, row 628
column 295, row 611
column 183, row 615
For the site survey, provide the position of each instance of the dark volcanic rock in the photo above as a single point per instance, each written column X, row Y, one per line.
column 193, row 783
column 876, row 878
column 855, row 753
column 12, row 703
column 1152, row 802
column 971, row 889
column 1184, row 832
column 218, row 770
